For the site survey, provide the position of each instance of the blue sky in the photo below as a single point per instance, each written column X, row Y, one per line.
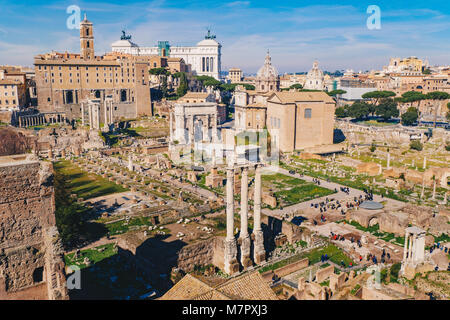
column 296, row 32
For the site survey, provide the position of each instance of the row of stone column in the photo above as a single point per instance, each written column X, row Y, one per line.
column 39, row 119
column 183, row 123
column 413, row 250
column 93, row 114
column 231, row 264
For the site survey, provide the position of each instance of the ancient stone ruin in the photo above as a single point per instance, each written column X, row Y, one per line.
column 31, row 254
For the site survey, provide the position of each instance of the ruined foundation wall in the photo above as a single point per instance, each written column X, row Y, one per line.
column 26, row 218
column 201, row 253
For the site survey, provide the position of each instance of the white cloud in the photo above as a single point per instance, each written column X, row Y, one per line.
column 336, row 35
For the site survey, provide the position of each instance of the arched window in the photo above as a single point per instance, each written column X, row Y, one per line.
column 87, row 31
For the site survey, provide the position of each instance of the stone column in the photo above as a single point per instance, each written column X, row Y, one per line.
column 259, row 253
column 244, row 238
column 389, row 161
column 191, row 130
column 214, row 128
column 410, row 247
column 105, row 105
column 213, row 155
column 231, row 265
column 90, row 114
column 170, row 127
column 405, row 248
column 425, row 162
column 413, row 249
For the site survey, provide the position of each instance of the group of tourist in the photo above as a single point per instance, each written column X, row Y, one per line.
column 345, row 190
column 438, row 246
column 384, row 257
column 316, row 181
column 327, row 204
column 368, row 195
column 335, row 236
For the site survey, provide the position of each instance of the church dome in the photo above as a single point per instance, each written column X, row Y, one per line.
column 315, row 72
column 267, row 71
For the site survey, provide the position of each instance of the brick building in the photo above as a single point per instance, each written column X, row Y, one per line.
column 64, row 80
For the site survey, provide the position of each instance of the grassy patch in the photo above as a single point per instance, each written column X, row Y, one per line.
column 122, row 226
column 334, row 254
column 290, row 190
column 94, row 255
column 442, row 238
column 355, row 289
column 86, row 185
column 326, row 283
column 302, row 193
column 371, row 229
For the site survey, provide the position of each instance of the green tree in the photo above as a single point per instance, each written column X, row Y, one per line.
column 68, row 213
column 296, row 86
column 183, row 85
column 437, row 97
column 163, row 86
column 448, row 112
column 387, row 109
column 411, row 97
column 358, row 110
column 208, row 81
column 416, row 145
column 335, row 93
column 410, row 116
column 159, row 71
column 426, row 71
column 447, row 146
column 376, row 96
column 340, row 112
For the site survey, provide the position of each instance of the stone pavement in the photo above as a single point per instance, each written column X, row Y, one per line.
column 323, row 183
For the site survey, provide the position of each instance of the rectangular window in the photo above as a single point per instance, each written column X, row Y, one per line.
column 308, row 112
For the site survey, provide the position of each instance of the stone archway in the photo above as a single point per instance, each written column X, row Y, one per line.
column 198, row 130
column 373, row 221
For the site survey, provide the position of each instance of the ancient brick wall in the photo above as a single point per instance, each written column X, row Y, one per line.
column 293, row 267
column 200, row 253
column 324, row 274
column 26, row 218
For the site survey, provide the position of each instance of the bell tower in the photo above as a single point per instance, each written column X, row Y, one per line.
column 86, row 39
